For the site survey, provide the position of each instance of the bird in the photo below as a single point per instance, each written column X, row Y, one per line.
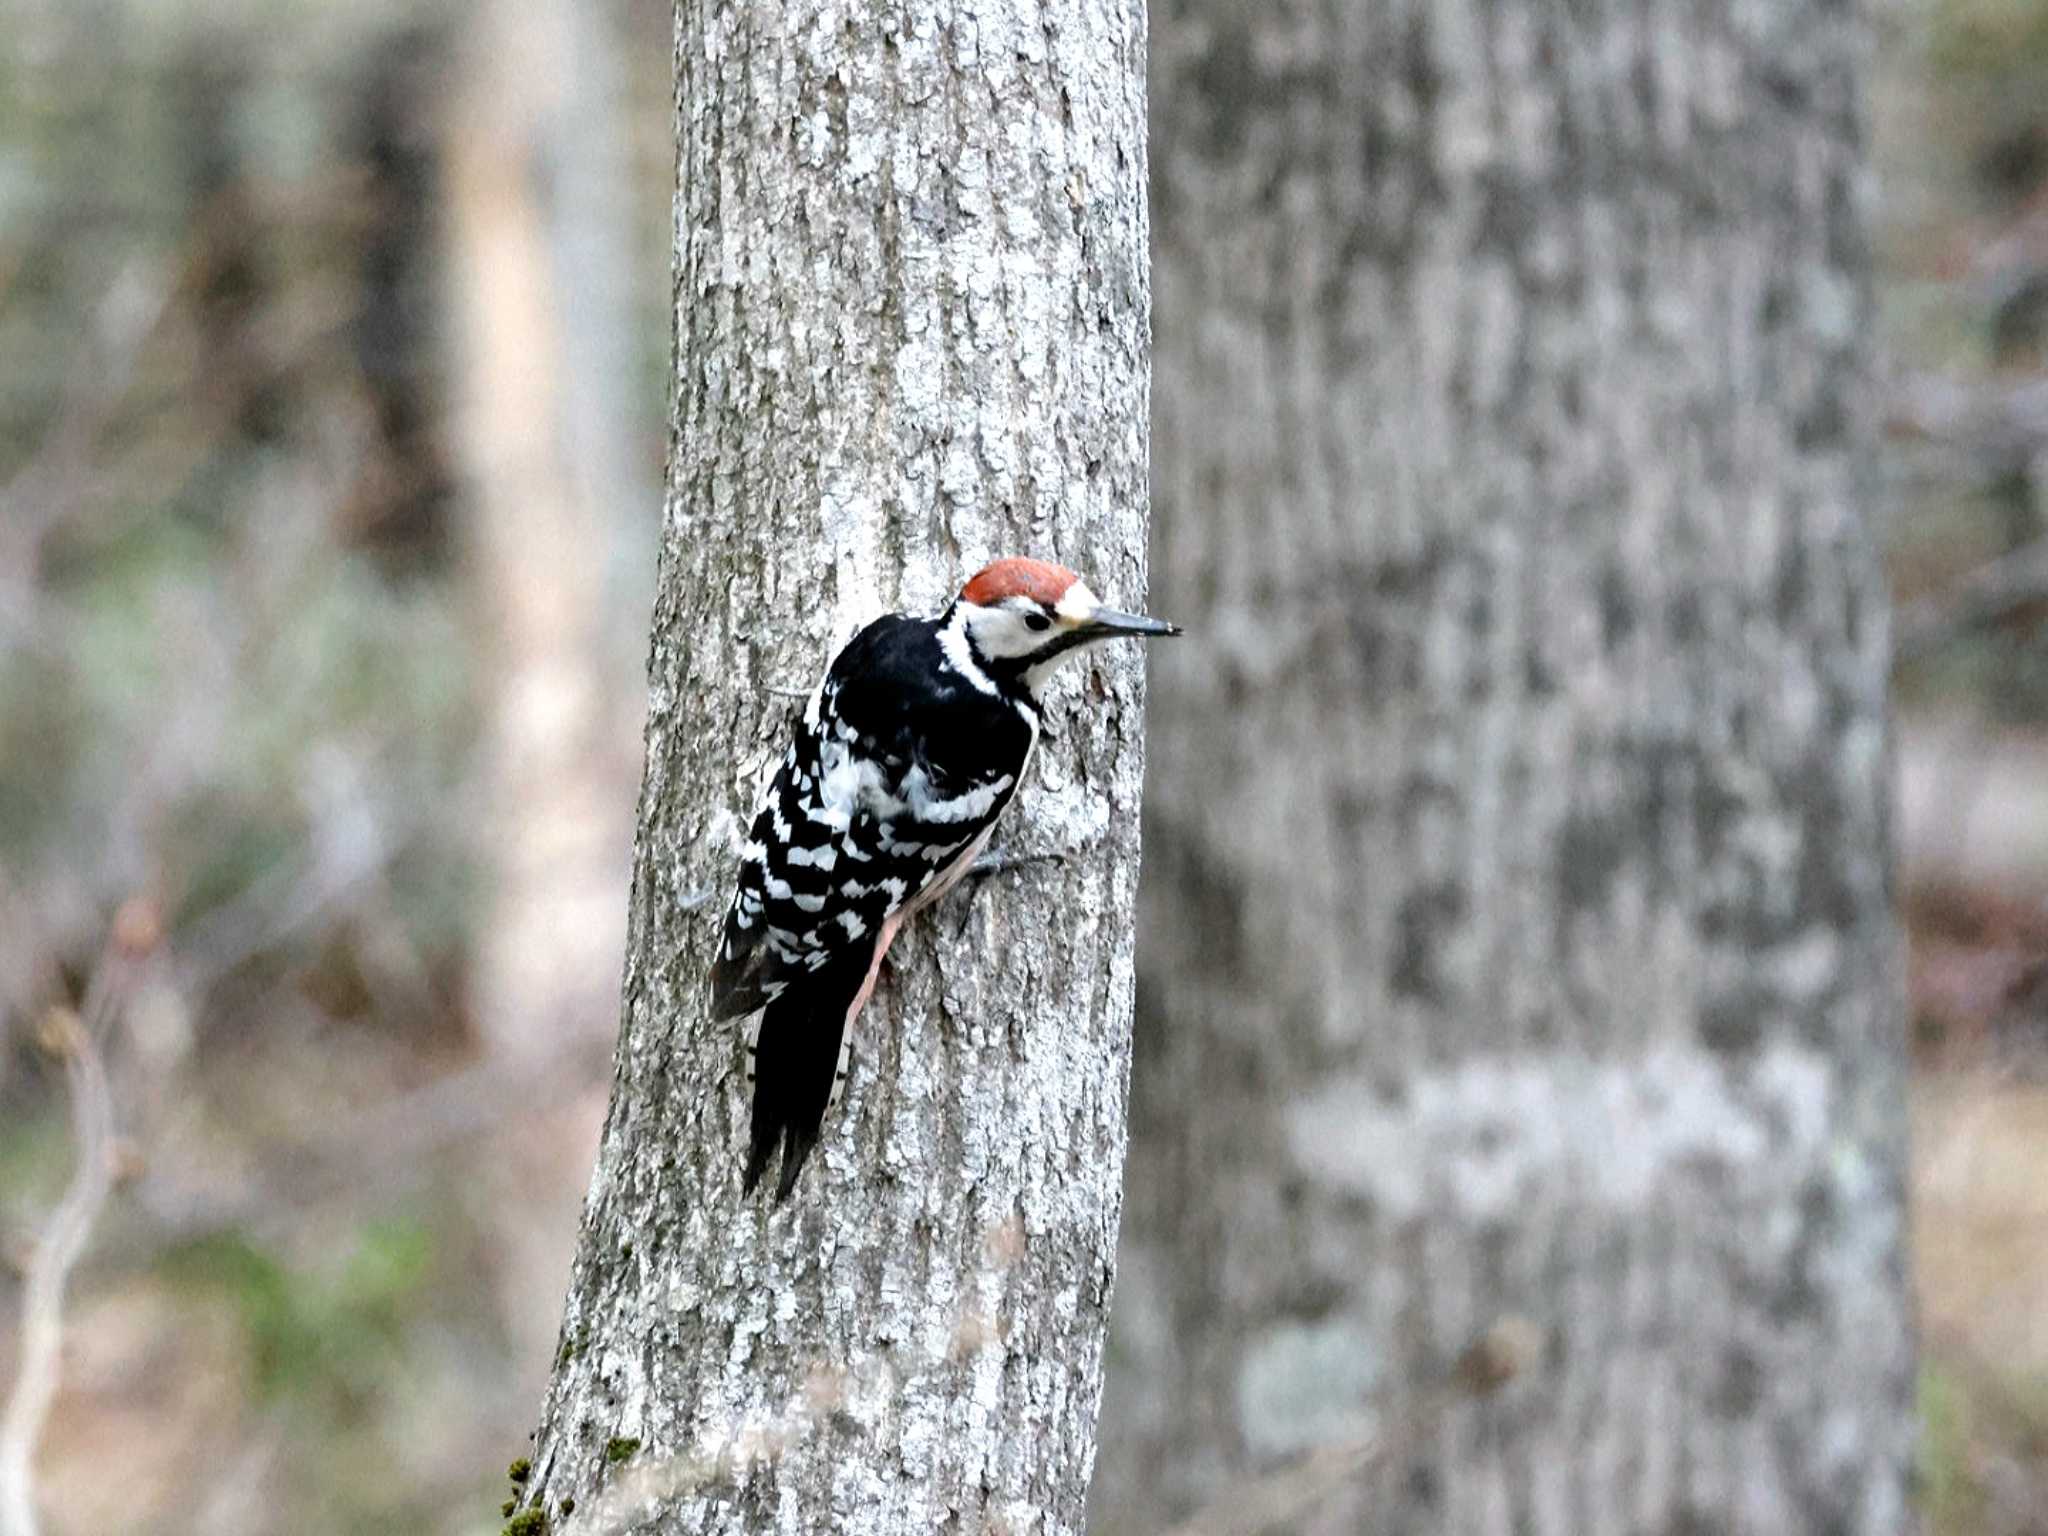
column 905, row 756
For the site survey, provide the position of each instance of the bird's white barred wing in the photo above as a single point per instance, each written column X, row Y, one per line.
column 856, row 825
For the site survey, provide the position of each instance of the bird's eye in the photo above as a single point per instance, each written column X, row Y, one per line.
column 1037, row 621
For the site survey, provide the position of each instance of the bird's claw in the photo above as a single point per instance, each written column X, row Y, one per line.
column 1002, row 862
column 997, row 862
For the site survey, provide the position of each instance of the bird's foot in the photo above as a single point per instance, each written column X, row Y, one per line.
column 1000, row 861
column 997, row 861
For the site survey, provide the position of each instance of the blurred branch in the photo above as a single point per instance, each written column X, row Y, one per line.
column 725, row 1455
column 77, row 1042
column 1994, row 429
column 43, row 490
column 384, row 1146
column 287, row 901
column 1971, row 807
column 2014, row 580
column 378, row 1149
column 1985, row 434
column 73, row 465
column 1282, row 1498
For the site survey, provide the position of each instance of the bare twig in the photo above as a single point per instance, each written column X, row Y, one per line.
column 1977, row 433
column 1996, row 588
column 719, row 1463
column 1280, row 1499
column 77, row 1042
column 39, row 494
column 725, row 1456
column 372, row 1153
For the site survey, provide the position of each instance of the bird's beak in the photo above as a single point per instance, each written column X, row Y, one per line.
column 1107, row 622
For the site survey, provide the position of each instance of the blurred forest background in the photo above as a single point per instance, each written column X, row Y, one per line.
column 335, row 356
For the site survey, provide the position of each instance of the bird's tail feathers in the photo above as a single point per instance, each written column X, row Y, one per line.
column 797, row 1060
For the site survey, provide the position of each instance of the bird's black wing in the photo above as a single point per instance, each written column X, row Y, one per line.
column 897, row 766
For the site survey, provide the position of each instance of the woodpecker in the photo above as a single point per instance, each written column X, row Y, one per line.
column 907, row 753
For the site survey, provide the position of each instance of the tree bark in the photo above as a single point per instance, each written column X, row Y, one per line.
column 911, row 318
column 1519, row 942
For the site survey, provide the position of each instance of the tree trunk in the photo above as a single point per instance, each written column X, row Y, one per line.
column 1519, row 941
column 544, row 515
column 911, row 311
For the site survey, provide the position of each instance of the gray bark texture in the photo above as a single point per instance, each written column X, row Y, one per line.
column 1517, row 937
column 911, row 315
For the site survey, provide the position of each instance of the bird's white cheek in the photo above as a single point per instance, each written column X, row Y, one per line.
column 1003, row 635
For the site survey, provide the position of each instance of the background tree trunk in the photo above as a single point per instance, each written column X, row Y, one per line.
column 911, row 313
column 546, row 451
column 1519, row 938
